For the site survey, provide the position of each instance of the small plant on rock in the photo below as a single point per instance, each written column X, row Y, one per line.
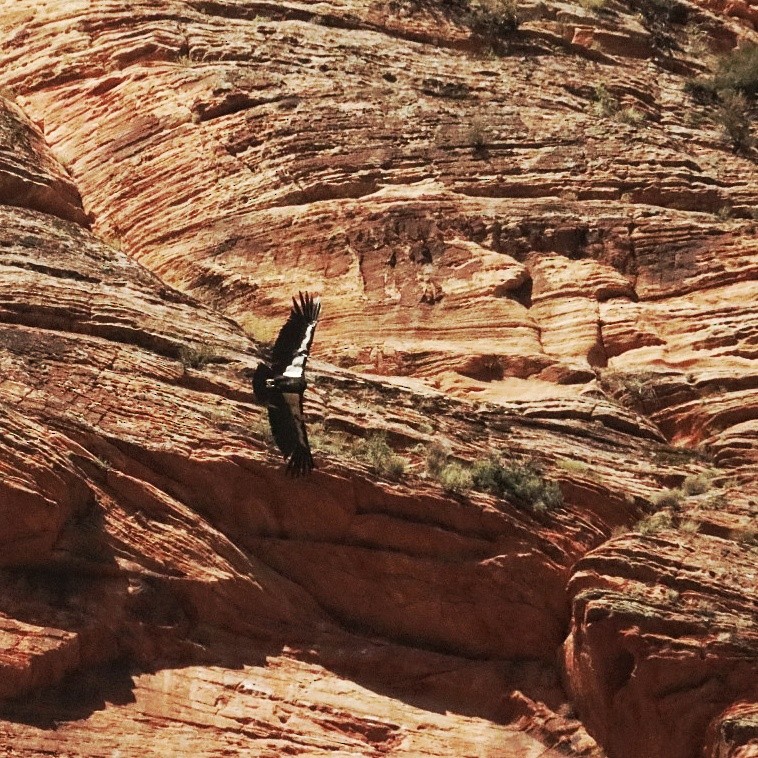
column 522, row 483
column 631, row 116
column 667, row 499
column 477, row 136
column 605, row 104
column 493, row 19
column 455, row 479
column 196, row 356
column 594, row 6
column 655, row 523
column 436, row 458
column 696, row 484
column 738, row 71
column 380, row 457
column 734, row 118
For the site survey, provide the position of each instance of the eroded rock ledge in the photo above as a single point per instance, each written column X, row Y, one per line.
column 518, row 269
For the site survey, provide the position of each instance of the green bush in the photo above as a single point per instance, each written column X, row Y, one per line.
column 493, row 18
column 380, row 457
column 734, row 118
column 192, row 356
column 667, row 499
column 523, row 484
column 605, row 104
column 436, row 458
column 655, row 522
column 738, row 71
column 455, row 478
column 696, row 484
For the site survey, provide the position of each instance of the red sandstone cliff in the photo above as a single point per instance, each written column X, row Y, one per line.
column 535, row 244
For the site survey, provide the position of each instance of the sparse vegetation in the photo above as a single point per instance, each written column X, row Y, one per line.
column 696, row 484
column 594, row 6
column 655, row 522
column 477, row 136
column 668, row 499
column 380, row 457
column 569, row 464
column 725, row 213
column 196, row 356
column 639, row 388
column 733, row 116
column 455, row 478
column 103, row 463
column 746, row 536
column 660, row 17
column 604, row 103
column 492, row 19
column 738, row 71
column 631, row 116
column 733, row 88
column 436, row 458
column 690, row 526
column 607, row 105
column 262, row 428
column 522, row 483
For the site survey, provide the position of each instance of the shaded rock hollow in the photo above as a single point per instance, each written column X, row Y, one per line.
column 505, row 266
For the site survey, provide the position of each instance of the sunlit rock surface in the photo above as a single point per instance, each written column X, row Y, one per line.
column 537, row 245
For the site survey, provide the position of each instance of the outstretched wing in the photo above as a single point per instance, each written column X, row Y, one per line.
column 294, row 341
column 285, row 414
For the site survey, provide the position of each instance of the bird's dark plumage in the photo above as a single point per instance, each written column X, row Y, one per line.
column 282, row 384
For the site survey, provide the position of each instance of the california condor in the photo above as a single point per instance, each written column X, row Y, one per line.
column 281, row 385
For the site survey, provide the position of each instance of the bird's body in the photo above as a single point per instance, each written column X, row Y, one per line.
column 281, row 385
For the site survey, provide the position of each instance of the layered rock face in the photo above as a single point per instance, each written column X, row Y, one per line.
column 529, row 241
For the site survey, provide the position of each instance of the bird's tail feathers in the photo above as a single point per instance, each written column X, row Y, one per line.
column 262, row 373
column 300, row 463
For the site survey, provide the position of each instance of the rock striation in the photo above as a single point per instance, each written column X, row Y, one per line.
column 529, row 242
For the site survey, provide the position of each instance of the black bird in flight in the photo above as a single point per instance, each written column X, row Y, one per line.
column 281, row 385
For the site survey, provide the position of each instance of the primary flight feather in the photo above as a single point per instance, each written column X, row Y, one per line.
column 281, row 385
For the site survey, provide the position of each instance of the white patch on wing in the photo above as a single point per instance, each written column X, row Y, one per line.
column 296, row 367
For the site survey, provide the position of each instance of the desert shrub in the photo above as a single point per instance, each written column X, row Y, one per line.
column 569, row 464
column 690, row 526
column 261, row 427
column 259, row 329
column 380, row 457
column 493, row 19
column 636, row 389
column 436, row 458
column 604, row 103
column 631, row 116
column 477, row 136
column 734, row 118
column 667, row 499
column 593, row 5
column 659, row 18
column 455, row 478
column 523, row 484
column 738, row 71
column 733, row 88
column 655, row 522
column 696, row 484
column 330, row 441
column 196, row 356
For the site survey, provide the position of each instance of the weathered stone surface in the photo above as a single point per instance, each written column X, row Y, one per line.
column 663, row 640
column 29, row 174
column 537, row 245
column 147, row 517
